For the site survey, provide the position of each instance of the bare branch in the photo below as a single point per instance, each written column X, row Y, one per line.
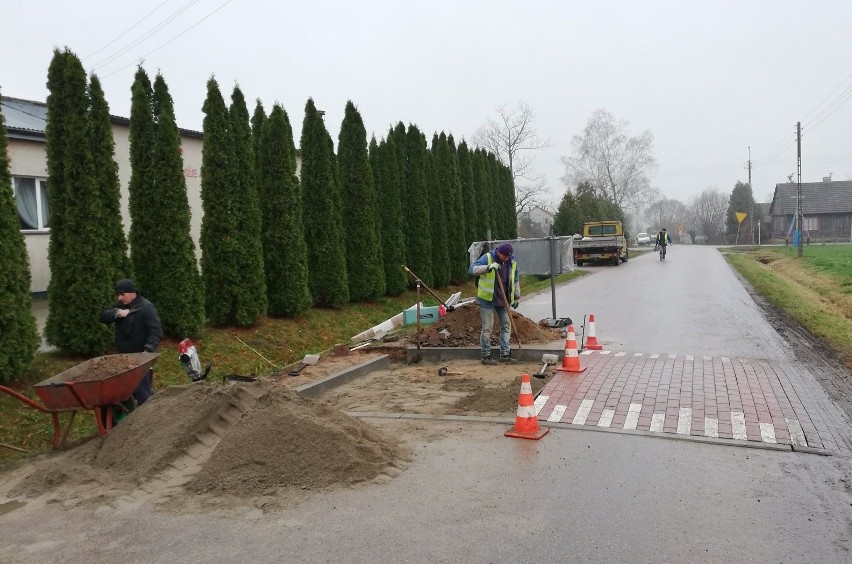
column 616, row 165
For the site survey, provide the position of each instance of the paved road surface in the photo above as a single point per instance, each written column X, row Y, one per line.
column 581, row 494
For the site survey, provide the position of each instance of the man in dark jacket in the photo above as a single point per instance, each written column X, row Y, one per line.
column 137, row 329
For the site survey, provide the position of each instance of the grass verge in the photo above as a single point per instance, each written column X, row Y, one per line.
column 815, row 290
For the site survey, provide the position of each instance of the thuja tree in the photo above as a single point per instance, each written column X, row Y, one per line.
column 365, row 271
column 418, row 233
column 468, row 195
column 18, row 335
column 323, row 219
column 250, row 293
column 219, row 224
column 285, row 254
column 174, row 282
column 81, row 269
column 258, row 119
column 105, row 171
column 143, row 207
column 386, row 179
column 446, row 164
column 481, row 188
column 509, row 204
column 438, row 223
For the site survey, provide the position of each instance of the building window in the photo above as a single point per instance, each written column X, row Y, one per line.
column 31, row 201
column 810, row 224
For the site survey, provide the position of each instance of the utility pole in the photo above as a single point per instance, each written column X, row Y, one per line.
column 751, row 215
column 799, row 187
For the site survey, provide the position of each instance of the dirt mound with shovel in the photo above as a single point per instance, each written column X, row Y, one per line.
column 461, row 327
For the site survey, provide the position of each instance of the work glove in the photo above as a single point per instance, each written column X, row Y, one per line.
column 515, row 304
column 494, row 267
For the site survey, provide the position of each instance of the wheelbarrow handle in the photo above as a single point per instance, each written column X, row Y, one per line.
column 24, row 399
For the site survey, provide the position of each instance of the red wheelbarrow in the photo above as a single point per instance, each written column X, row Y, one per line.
column 97, row 384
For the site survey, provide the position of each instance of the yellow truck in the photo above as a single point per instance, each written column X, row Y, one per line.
column 602, row 241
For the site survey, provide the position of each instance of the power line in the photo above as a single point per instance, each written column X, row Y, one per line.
column 133, row 44
column 170, row 40
column 128, row 30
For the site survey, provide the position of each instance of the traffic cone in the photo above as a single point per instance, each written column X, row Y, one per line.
column 571, row 360
column 526, row 421
column 592, row 340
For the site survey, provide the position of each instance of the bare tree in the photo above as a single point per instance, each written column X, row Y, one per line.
column 669, row 214
column 616, row 164
column 513, row 139
column 709, row 210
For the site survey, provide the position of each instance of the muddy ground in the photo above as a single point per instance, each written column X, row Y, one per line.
column 218, row 445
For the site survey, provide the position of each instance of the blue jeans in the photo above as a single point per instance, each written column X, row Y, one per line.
column 486, row 315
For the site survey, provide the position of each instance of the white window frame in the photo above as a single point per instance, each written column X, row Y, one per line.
column 41, row 195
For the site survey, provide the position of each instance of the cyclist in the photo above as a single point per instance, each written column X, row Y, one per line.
column 663, row 240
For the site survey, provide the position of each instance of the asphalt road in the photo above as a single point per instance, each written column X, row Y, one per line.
column 574, row 496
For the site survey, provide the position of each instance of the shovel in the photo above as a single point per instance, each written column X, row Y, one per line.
column 308, row 360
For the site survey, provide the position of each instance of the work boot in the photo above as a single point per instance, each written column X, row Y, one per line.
column 488, row 361
column 507, row 358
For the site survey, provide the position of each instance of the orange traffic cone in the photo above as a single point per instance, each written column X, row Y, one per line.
column 571, row 360
column 592, row 340
column 526, row 421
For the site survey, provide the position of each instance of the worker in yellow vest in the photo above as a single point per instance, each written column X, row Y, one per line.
column 499, row 262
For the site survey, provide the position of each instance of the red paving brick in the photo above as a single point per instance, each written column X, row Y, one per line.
column 717, row 397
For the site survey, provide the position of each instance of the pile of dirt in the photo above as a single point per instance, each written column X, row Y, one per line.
column 461, row 327
column 242, row 440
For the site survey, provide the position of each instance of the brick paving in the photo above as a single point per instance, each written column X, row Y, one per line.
column 740, row 399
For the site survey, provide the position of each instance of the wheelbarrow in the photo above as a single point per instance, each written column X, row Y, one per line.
column 97, row 384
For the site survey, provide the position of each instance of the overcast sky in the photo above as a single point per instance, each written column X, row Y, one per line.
column 707, row 79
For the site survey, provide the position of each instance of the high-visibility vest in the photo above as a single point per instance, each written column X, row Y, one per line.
column 486, row 282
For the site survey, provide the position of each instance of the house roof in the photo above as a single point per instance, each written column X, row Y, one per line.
column 27, row 119
column 817, row 198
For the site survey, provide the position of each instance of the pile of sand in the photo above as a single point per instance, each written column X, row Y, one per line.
column 249, row 440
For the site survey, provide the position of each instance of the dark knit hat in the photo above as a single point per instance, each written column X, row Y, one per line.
column 505, row 249
column 125, row 286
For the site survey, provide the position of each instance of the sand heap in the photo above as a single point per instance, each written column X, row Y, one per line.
column 463, row 326
column 242, row 440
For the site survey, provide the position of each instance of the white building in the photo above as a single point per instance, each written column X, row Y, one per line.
column 25, row 126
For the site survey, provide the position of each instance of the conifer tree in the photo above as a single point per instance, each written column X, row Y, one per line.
column 386, row 176
column 251, row 286
column 174, row 282
column 258, row 119
column 81, row 269
column 496, row 216
column 143, row 208
column 105, row 171
column 219, row 225
column 481, row 186
column 18, row 335
column 438, row 223
column 468, row 192
column 323, row 219
column 365, row 271
column 509, row 202
column 418, row 232
column 447, row 165
column 285, row 252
